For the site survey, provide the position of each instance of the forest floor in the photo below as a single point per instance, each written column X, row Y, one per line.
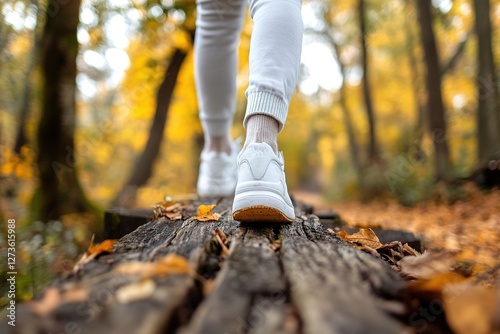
column 469, row 228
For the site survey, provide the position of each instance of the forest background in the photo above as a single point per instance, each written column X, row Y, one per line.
column 397, row 100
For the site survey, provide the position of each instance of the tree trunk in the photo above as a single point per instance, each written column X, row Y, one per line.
column 60, row 191
column 346, row 114
column 372, row 144
column 435, row 107
column 487, row 123
column 144, row 165
column 416, row 85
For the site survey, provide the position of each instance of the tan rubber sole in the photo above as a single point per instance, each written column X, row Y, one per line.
column 261, row 213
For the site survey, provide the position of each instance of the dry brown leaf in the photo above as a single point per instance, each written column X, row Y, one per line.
column 205, row 213
column 136, row 291
column 427, row 265
column 53, row 298
column 364, row 237
column 168, row 209
column 168, row 265
column 471, row 309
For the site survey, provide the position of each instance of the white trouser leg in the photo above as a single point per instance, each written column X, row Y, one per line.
column 274, row 57
column 218, row 26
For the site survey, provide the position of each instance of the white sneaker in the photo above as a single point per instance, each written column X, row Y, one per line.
column 218, row 173
column 261, row 192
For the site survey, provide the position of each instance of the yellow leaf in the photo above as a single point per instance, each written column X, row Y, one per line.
column 104, row 247
column 93, row 251
column 205, row 213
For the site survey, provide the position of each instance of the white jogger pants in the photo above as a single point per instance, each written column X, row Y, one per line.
column 274, row 59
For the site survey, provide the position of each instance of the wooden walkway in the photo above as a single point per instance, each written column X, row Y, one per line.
column 295, row 278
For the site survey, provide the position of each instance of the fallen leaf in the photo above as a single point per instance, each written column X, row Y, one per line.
column 135, row 291
column 104, row 247
column 364, row 237
column 167, row 265
column 93, row 251
column 168, row 209
column 427, row 265
column 433, row 287
column 205, row 213
column 472, row 309
column 53, row 298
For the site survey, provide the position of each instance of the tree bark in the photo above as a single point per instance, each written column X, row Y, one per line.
column 435, row 107
column 144, row 165
column 60, row 191
column 416, row 84
column 372, row 143
column 488, row 124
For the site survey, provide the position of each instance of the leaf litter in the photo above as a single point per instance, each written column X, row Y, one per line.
column 433, row 278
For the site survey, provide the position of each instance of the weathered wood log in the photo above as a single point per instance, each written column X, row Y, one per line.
column 121, row 221
column 294, row 278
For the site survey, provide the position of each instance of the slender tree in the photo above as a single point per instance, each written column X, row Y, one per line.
column 435, row 106
column 354, row 151
column 143, row 167
column 59, row 189
column 372, row 141
column 488, row 122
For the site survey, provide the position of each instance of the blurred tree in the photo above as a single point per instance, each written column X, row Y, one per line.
column 488, row 99
column 373, row 155
column 144, row 165
column 435, row 106
column 21, row 137
column 346, row 114
column 59, row 189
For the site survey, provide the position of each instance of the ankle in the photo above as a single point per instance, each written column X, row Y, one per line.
column 218, row 144
column 262, row 129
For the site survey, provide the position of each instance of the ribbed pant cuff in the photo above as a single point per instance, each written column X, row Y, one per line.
column 216, row 127
column 265, row 103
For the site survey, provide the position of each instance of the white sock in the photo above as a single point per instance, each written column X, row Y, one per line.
column 218, row 143
column 262, row 129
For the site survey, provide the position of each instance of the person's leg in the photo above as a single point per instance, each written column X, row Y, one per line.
column 218, row 26
column 261, row 192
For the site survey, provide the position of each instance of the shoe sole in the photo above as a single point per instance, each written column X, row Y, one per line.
column 261, row 213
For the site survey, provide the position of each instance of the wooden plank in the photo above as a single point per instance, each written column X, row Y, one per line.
column 332, row 285
column 250, row 291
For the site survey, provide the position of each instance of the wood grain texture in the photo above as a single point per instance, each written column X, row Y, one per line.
column 294, row 278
